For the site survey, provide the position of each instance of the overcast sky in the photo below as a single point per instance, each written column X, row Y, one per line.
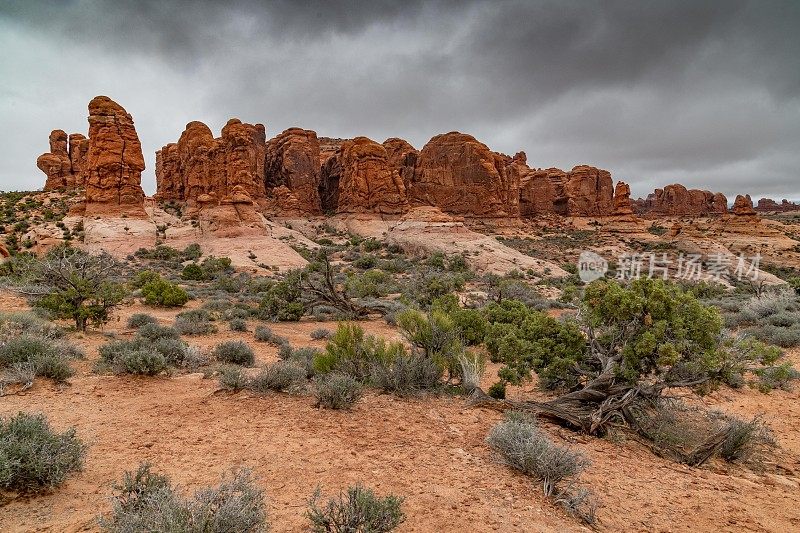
column 702, row 93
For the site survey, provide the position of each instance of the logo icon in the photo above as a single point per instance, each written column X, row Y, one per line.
column 591, row 266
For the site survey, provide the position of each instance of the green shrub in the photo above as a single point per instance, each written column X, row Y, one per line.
column 282, row 300
column 143, row 277
column 163, row 293
column 40, row 356
column 235, row 353
column 435, row 335
column 33, row 457
column 498, row 390
column 145, row 501
column 138, row 320
column 372, row 283
column 471, row 324
column 337, row 391
column 192, row 272
column 360, row 510
column 352, row 352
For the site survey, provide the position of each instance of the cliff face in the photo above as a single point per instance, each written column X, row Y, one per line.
column 360, row 178
column 677, row 200
column 297, row 173
column 460, row 175
column 766, row 205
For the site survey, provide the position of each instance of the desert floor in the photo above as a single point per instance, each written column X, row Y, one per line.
column 430, row 450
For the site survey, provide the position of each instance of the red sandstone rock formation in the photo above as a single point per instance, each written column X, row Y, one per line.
column 768, row 204
column 743, row 206
column 113, row 162
column 460, row 175
column 622, row 199
column 402, row 158
column 588, row 191
column 539, row 190
column 328, row 147
column 63, row 164
column 292, row 164
column 199, row 165
column 360, row 178
column 4, row 253
column 677, row 200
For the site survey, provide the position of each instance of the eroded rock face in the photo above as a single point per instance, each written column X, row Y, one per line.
column 114, row 160
column 768, row 204
column 63, row 164
column 201, row 170
column 402, row 158
column 360, row 178
column 677, row 200
column 539, row 190
column 622, row 199
column 588, row 191
column 743, row 206
column 293, row 163
column 460, row 175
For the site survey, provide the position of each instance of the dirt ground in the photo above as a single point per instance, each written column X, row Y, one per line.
column 430, row 450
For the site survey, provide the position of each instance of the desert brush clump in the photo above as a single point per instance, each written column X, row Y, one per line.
column 163, row 293
column 519, row 443
column 235, row 353
column 195, row 322
column 356, row 510
column 153, row 350
column 147, row 501
column 138, row 320
column 281, row 376
column 31, row 347
column 337, row 391
column 352, row 352
column 33, row 457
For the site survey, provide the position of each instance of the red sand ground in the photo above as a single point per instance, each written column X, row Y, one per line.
column 430, row 450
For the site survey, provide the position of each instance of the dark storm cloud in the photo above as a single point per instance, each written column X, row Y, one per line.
column 704, row 93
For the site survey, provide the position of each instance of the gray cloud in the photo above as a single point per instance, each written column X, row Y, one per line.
column 704, row 93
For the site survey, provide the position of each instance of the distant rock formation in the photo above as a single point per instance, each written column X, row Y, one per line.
column 201, row 170
column 677, row 200
column 64, row 163
column 360, row 178
column 460, row 175
column 743, row 206
column 113, row 161
column 292, row 163
column 622, row 199
column 766, row 205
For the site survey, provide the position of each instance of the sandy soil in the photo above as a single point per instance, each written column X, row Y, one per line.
column 430, row 450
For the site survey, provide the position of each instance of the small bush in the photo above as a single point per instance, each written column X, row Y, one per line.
column 235, row 353
column 337, row 391
column 163, row 293
column 358, row 510
column 472, row 368
column 279, row 377
column 195, row 322
column 146, row 501
column 39, row 355
column 522, row 446
column 238, row 324
column 407, row 374
column 139, row 361
column 192, row 272
column 33, row 457
column 263, row 334
column 320, row 334
column 497, row 390
column 745, row 440
column 232, row 378
column 154, row 332
column 352, row 352
column 138, row 320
